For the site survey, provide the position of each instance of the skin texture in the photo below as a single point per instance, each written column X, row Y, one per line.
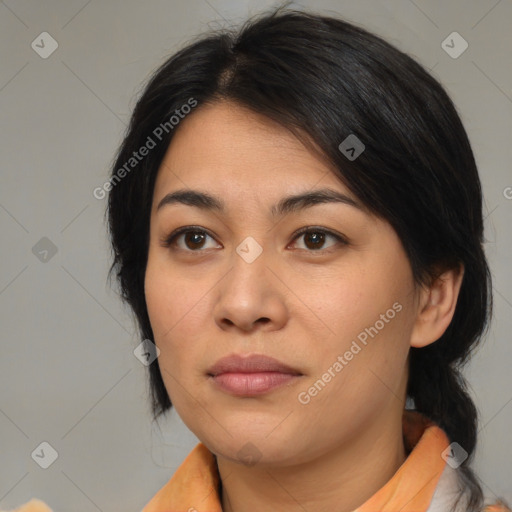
column 302, row 301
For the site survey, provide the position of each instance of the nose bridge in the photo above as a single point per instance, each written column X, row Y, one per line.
column 249, row 250
column 248, row 293
column 249, row 260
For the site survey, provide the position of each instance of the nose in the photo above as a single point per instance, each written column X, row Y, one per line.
column 251, row 297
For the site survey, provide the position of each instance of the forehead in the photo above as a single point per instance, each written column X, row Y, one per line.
column 225, row 144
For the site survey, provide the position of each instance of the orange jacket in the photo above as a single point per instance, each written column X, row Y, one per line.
column 425, row 482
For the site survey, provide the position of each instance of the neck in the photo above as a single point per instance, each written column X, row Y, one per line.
column 341, row 480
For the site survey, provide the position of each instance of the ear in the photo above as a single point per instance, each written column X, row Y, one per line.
column 436, row 307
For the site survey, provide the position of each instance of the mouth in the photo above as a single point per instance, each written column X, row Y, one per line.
column 251, row 375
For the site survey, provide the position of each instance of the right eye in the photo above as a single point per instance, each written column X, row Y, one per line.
column 188, row 238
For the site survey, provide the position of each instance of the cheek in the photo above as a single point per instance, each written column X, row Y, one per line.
column 165, row 309
column 368, row 316
column 177, row 305
column 344, row 306
column 174, row 301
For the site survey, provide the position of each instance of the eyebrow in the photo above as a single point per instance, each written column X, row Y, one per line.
column 286, row 205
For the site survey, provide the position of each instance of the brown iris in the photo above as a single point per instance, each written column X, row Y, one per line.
column 196, row 237
column 316, row 239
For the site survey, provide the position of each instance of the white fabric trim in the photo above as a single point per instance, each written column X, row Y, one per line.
column 446, row 493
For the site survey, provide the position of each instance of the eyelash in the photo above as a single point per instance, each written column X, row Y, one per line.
column 169, row 240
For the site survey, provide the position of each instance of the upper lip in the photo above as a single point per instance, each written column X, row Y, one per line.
column 253, row 363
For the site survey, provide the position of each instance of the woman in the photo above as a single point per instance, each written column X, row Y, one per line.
column 296, row 220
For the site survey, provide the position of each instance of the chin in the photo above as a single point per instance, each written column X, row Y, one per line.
column 252, row 450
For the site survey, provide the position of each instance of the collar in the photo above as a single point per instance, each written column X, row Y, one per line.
column 194, row 487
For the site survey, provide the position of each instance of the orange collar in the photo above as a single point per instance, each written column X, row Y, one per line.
column 194, row 486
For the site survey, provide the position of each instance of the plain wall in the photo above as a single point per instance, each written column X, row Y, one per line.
column 68, row 375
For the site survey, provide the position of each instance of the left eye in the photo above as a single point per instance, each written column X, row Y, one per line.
column 314, row 238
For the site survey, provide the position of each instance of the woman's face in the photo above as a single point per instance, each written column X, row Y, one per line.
column 337, row 312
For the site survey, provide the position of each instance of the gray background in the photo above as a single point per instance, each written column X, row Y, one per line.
column 68, row 375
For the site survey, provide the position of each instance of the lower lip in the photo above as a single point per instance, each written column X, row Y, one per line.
column 251, row 384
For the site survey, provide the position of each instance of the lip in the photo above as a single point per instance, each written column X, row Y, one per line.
column 251, row 375
column 254, row 363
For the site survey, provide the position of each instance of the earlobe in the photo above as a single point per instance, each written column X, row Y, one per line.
column 436, row 307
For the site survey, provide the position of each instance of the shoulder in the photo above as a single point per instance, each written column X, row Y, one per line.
column 34, row 505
